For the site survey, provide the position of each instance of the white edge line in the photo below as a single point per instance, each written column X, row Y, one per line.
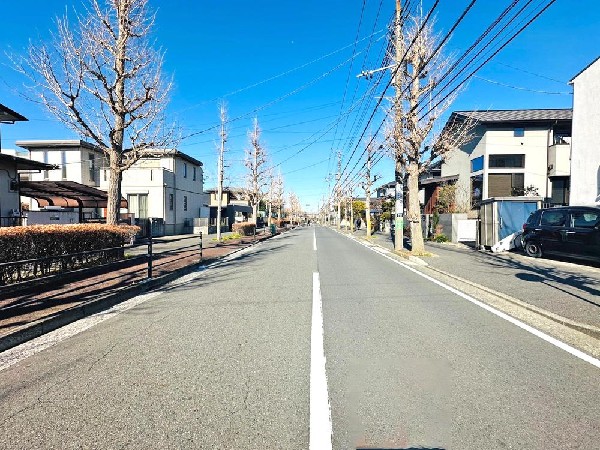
column 320, row 410
column 562, row 345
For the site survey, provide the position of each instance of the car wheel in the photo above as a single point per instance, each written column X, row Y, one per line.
column 533, row 249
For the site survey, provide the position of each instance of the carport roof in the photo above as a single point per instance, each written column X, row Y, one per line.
column 67, row 194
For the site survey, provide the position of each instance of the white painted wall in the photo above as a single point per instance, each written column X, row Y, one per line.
column 498, row 141
column 159, row 178
column 585, row 150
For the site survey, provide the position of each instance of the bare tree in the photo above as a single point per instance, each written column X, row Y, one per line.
column 277, row 193
column 257, row 177
column 102, row 78
column 295, row 208
column 413, row 144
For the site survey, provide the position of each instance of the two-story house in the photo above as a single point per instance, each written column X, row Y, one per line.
column 235, row 207
column 585, row 156
column 513, row 153
column 166, row 185
column 78, row 176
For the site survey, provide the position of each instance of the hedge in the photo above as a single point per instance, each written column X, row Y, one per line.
column 244, row 228
column 39, row 241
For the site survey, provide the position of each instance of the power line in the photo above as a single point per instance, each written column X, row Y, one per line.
column 520, row 88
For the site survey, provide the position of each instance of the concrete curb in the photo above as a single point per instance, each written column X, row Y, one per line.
column 67, row 316
column 578, row 326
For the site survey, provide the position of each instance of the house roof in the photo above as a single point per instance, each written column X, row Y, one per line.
column 61, row 143
column 7, row 115
column 438, row 180
column 161, row 153
column 67, row 194
column 515, row 115
column 24, row 163
column 584, row 69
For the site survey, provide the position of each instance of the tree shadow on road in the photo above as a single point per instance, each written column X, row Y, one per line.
column 553, row 277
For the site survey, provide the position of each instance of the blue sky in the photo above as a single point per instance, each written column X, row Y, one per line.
column 294, row 65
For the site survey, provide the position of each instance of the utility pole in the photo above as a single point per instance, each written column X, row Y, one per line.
column 368, row 184
column 223, row 134
column 351, row 210
column 399, row 74
column 338, row 190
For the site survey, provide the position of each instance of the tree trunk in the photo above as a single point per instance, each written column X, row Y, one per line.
column 254, row 212
column 414, row 209
column 114, row 191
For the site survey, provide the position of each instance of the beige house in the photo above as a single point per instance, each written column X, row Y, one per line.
column 585, row 153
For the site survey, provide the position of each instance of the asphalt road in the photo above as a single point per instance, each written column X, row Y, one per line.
column 224, row 361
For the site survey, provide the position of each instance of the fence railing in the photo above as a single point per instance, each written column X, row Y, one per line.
column 19, row 271
column 12, row 221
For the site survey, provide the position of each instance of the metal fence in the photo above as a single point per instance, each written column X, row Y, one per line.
column 19, row 271
column 13, row 221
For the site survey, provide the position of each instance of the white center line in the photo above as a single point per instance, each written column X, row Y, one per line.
column 320, row 411
column 314, row 239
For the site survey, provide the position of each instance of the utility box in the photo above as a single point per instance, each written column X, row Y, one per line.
column 500, row 217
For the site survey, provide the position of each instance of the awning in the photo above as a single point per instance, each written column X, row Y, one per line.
column 67, row 194
column 438, row 180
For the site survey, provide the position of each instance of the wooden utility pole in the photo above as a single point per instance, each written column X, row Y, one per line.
column 399, row 75
column 223, row 135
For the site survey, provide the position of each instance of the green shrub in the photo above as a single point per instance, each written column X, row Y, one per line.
column 440, row 238
column 244, row 228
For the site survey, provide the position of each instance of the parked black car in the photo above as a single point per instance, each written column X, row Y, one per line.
column 570, row 230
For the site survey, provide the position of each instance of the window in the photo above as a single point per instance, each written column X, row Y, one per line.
column 506, row 184
column 92, row 165
column 185, row 202
column 45, row 156
column 560, row 190
column 171, row 202
column 194, row 178
column 105, row 175
column 554, row 218
column 138, row 205
column 502, row 161
column 584, row 219
column 184, row 170
column 63, row 162
column 519, row 132
column 477, row 164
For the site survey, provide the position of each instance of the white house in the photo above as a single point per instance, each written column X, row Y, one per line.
column 166, row 185
column 512, row 153
column 585, row 151
column 78, row 162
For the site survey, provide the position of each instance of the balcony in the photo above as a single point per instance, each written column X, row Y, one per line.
column 559, row 160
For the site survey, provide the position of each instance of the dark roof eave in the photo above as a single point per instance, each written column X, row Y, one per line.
column 7, row 115
column 26, row 164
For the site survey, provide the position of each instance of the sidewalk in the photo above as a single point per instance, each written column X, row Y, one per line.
column 566, row 292
column 29, row 312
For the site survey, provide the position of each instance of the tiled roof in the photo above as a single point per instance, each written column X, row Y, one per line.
column 518, row 115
